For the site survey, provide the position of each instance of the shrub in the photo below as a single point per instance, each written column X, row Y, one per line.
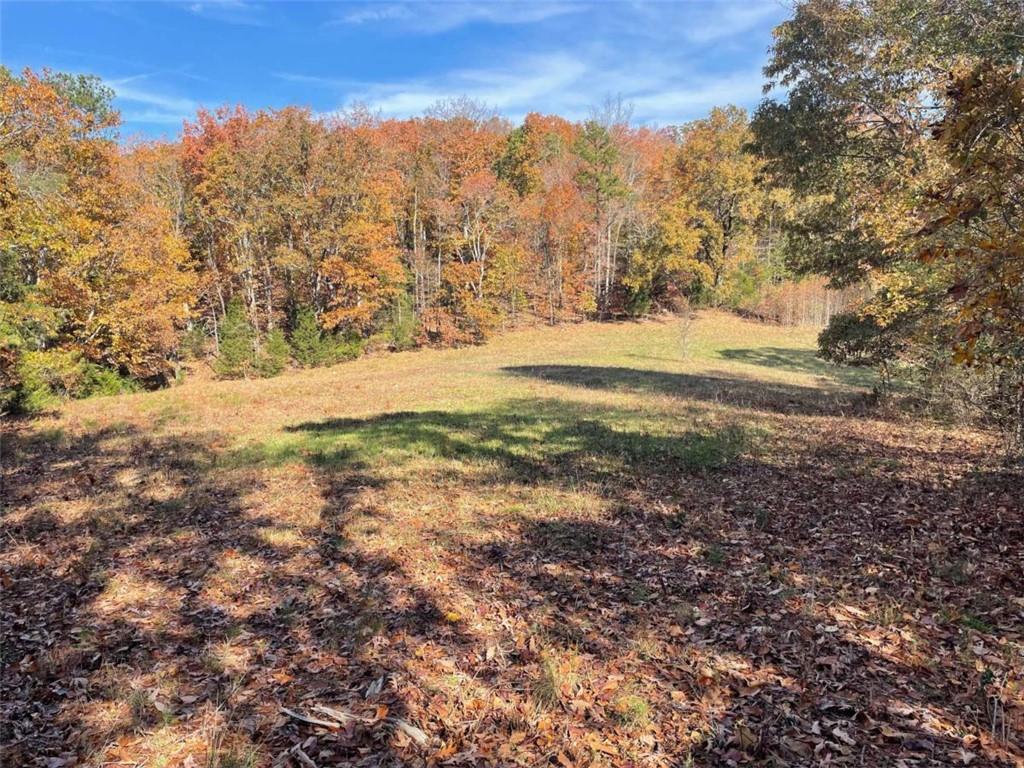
column 342, row 347
column 193, row 343
column 852, row 339
column 274, row 355
column 402, row 326
column 308, row 345
column 637, row 300
column 46, row 377
column 980, row 394
column 311, row 346
column 103, row 382
column 9, row 381
column 744, row 285
column 24, row 327
column 236, row 355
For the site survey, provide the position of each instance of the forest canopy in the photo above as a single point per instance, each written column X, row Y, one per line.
column 351, row 229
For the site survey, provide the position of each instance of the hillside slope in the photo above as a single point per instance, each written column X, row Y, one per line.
column 638, row 543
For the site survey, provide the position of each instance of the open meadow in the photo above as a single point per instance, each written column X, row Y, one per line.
column 655, row 543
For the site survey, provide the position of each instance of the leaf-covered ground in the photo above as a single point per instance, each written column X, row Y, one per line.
column 640, row 544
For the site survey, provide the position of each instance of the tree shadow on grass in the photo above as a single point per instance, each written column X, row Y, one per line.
column 541, row 577
column 523, row 440
column 749, row 647
column 154, row 613
column 799, row 361
column 767, row 625
column 729, row 612
column 724, row 389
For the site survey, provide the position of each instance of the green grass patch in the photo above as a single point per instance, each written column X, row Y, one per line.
column 521, row 440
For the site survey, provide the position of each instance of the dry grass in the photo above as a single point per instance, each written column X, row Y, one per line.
column 600, row 543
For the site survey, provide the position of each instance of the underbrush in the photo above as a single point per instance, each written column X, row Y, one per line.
column 45, row 378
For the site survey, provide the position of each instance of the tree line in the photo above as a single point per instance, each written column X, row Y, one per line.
column 892, row 169
column 269, row 236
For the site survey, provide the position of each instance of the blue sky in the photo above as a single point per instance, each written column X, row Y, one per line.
column 672, row 60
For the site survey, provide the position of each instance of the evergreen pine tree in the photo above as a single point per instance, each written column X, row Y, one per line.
column 236, row 354
column 309, row 347
column 274, row 355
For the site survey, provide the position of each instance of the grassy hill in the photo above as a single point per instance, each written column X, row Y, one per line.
column 639, row 543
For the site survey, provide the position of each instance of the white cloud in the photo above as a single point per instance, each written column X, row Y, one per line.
column 375, row 13
column 719, row 21
column 697, row 93
column 661, row 91
column 672, row 60
column 531, row 83
column 142, row 104
column 229, row 11
column 434, row 17
column 318, row 80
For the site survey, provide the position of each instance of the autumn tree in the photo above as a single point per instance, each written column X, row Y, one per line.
column 293, row 212
column 85, row 245
column 975, row 233
column 603, row 188
column 721, row 179
column 900, row 133
column 540, row 165
column 358, row 239
column 331, row 233
column 464, row 215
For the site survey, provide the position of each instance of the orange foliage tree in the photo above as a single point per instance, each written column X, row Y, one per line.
column 84, row 240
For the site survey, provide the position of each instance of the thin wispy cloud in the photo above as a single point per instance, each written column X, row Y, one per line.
column 432, row 18
column 720, row 21
column 373, row 14
column 563, row 83
column 143, row 103
column 229, row 11
column 512, row 90
column 154, row 117
column 317, row 80
column 643, row 51
column 672, row 59
column 695, row 94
